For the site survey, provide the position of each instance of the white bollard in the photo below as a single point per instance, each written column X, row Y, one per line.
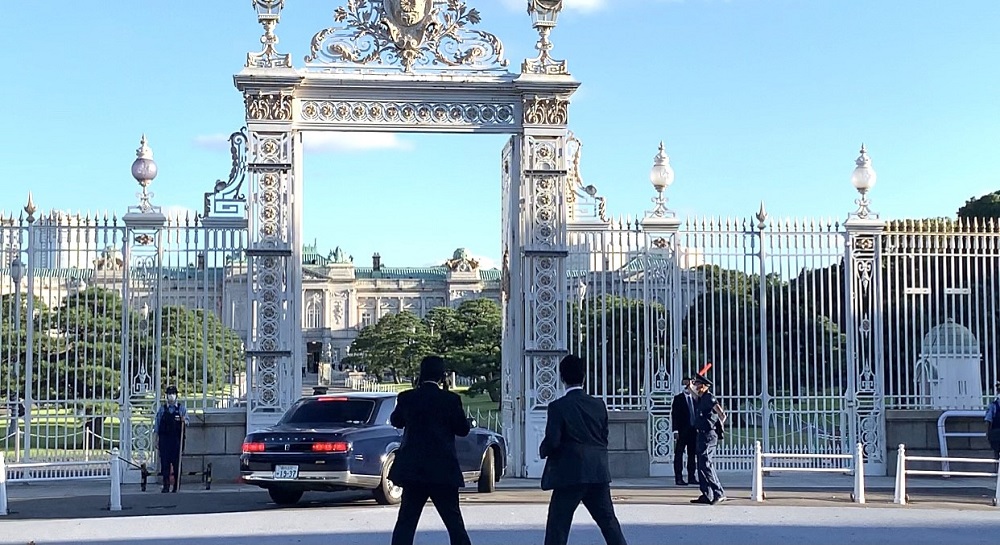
column 116, row 481
column 757, row 487
column 900, row 495
column 996, row 491
column 859, row 474
column 3, row 485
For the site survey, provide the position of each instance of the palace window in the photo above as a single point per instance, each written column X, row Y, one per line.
column 314, row 312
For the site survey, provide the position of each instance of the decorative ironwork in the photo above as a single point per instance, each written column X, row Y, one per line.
column 268, row 107
column 409, row 113
column 407, row 34
column 228, row 198
column 545, row 13
column 546, row 111
column 582, row 200
column 268, row 15
column 546, row 380
column 30, row 209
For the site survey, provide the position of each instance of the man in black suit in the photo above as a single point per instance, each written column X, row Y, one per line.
column 426, row 464
column 575, row 449
column 685, row 436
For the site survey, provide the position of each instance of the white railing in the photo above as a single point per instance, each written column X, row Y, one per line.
column 857, row 469
column 487, row 419
column 901, row 497
column 943, row 434
column 365, row 385
column 63, row 471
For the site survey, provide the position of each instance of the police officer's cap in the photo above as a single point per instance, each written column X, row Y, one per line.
column 171, row 390
column 702, row 379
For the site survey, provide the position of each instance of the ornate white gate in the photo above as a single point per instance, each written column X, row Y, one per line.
column 391, row 66
column 100, row 313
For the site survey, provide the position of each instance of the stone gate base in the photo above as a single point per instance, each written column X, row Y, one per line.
column 628, row 444
column 919, row 432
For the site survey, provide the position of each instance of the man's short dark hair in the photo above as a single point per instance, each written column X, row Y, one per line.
column 572, row 370
column 432, row 369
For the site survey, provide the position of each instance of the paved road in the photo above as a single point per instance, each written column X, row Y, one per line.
column 239, row 515
column 504, row 524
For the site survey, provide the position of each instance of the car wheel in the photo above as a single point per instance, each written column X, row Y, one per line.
column 387, row 492
column 487, row 474
column 284, row 496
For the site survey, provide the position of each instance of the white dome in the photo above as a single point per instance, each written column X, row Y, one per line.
column 950, row 339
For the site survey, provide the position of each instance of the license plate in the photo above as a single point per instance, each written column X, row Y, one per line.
column 286, row 473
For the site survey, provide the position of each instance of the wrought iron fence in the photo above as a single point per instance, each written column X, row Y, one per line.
column 766, row 302
column 941, row 302
column 96, row 317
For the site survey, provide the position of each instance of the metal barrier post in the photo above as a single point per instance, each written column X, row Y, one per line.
column 116, row 481
column 996, row 491
column 3, row 485
column 859, row 474
column 900, row 495
column 757, row 488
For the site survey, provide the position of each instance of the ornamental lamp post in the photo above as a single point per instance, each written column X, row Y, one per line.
column 661, row 176
column 544, row 16
column 544, row 13
column 863, row 179
column 144, row 171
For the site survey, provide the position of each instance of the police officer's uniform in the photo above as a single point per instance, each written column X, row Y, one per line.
column 169, row 428
column 708, row 423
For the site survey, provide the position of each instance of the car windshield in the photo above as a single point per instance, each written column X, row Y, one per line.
column 330, row 411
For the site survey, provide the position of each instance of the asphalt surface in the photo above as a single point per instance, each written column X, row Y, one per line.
column 797, row 510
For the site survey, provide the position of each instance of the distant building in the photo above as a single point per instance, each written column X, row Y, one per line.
column 340, row 298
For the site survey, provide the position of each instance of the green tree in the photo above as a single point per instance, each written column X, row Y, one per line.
column 984, row 207
column 617, row 335
column 470, row 338
column 78, row 348
column 394, row 345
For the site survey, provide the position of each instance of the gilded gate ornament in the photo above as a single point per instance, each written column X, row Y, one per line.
column 406, row 34
column 268, row 107
column 546, row 111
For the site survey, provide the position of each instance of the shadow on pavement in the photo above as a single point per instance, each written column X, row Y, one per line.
column 153, row 504
column 680, row 533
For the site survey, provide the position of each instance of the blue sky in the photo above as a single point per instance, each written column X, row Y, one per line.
column 755, row 100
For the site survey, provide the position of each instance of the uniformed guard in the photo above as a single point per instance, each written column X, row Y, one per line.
column 709, row 419
column 171, row 419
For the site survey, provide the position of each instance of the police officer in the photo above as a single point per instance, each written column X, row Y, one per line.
column 171, row 418
column 709, row 418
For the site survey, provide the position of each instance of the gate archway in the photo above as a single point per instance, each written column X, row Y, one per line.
column 387, row 66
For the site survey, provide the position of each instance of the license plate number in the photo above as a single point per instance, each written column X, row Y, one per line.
column 286, row 473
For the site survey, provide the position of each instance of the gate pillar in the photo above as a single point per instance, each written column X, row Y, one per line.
column 141, row 317
column 663, row 369
column 866, row 366
column 540, row 283
column 273, row 256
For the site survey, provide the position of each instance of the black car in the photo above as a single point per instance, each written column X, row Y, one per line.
column 344, row 442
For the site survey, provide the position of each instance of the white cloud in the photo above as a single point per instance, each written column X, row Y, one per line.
column 178, row 213
column 579, row 5
column 323, row 142
column 585, row 6
column 333, row 142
